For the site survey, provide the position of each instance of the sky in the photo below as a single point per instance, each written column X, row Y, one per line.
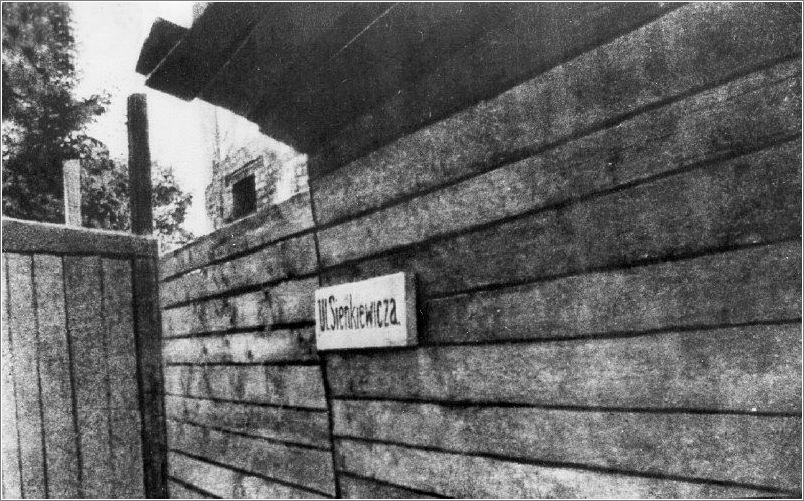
column 109, row 36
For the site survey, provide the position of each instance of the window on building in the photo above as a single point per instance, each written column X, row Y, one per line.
column 244, row 196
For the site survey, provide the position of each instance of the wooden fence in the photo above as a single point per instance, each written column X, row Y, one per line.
column 245, row 394
column 82, row 410
column 608, row 262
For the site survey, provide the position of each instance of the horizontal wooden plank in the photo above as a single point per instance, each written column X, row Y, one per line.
column 694, row 46
column 284, row 303
column 33, row 236
column 464, row 476
column 535, row 37
column 307, row 468
column 230, row 484
column 267, row 225
column 288, row 258
column 738, row 369
column 617, row 156
column 353, row 487
column 25, row 365
column 743, row 286
column 300, row 386
column 292, row 425
column 251, row 347
column 179, row 491
column 668, row 217
column 244, row 310
column 759, row 450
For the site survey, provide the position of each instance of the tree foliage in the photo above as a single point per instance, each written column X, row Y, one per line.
column 44, row 124
column 105, row 202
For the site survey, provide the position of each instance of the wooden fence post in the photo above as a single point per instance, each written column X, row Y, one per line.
column 71, row 171
column 139, row 166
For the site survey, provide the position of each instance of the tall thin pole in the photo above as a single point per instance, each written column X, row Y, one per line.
column 139, row 166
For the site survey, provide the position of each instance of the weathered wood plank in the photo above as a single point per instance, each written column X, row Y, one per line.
column 230, row 484
column 694, row 46
column 251, row 347
column 23, row 333
column 178, row 491
column 353, row 487
column 602, row 161
column 479, row 477
column 291, row 301
column 535, row 37
column 758, row 450
column 32, row 236
column 12, row 485
column 61, row 437
column 126, row 450
column 88, row 336
column 292, row 425
column 736, row 369
column 284, row 303
column 300, row 386
column 307, row 468
column 241, row 311
column 288, row 258
column 749, row 285
column 268, row 225
column 118, row 316
column 150, row 377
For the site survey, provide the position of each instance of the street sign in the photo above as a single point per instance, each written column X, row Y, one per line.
column 375, row 313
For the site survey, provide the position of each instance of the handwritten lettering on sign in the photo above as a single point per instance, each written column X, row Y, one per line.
column 374, row 313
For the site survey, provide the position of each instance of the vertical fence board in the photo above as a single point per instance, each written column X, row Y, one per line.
column 149, row 346
column 22, row 324
column 84, row 316
column 11, row 453
column 61, row 451
column 125, row 422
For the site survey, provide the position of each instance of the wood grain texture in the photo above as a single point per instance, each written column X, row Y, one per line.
column 533, row 38
column 126, row 449
column 61, row 436
column 31, row 236
column 601, row 162
column 151, row 379
column 749, row 285
column 83, row 281
column 288, row 258
column 244, row 310
column 479, row 477
column 353, row 487
column 307, row 468
column 118, row 316
column 267, row 225
column 300, row 386
column 281, row 345
column 737, row 369
column 179, row 491
column 692, row 47
column 759, row 450
column 227, row 483
column 291, row 425
column 22, row 325
column 284, row 303
column 12, row 484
